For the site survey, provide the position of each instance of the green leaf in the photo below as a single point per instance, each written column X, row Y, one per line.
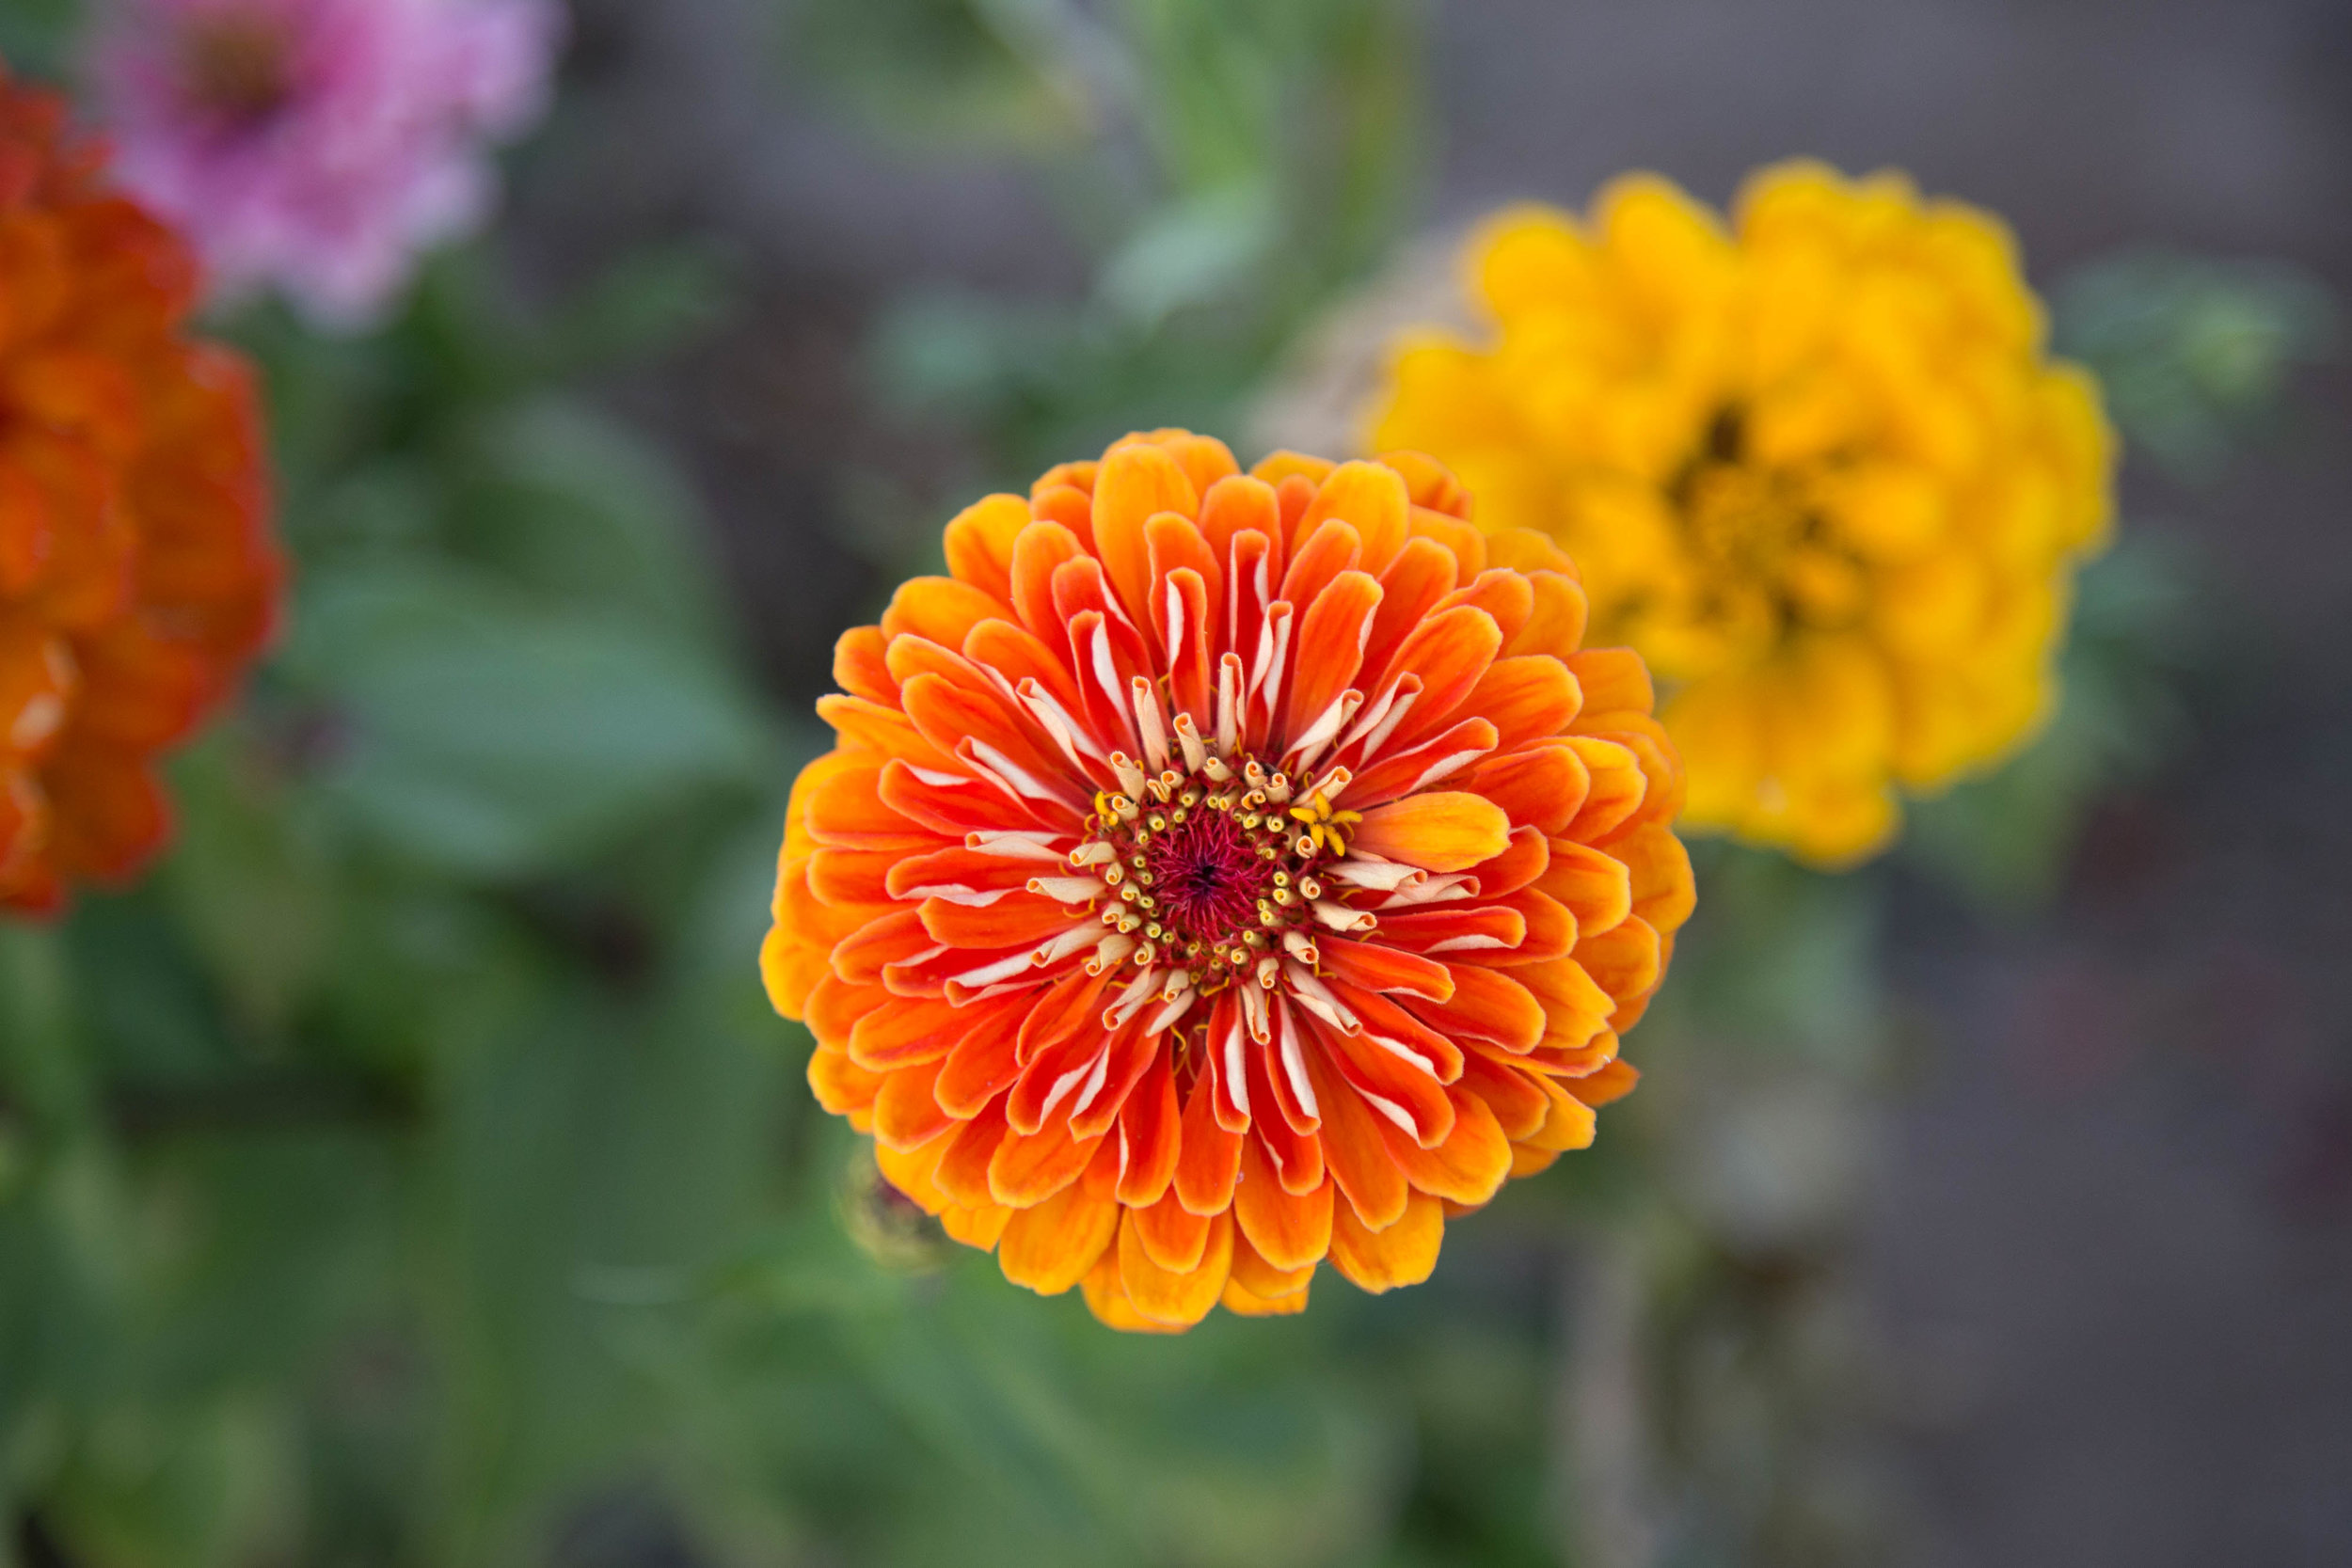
column 2193, row 353
column 1192, row 251
column 582, row 510
column 489, row 734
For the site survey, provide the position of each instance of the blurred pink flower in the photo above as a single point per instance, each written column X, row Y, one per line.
column 316, row 146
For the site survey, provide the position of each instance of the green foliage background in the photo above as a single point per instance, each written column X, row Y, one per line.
column 412, row 1167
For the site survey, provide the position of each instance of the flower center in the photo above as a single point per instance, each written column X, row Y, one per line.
column 1766, row 558
column 1207, row 875
column 1211, row 870
column 239, row 65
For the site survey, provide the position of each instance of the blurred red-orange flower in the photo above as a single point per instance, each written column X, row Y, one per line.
column 1220, row 872
column 137, row 574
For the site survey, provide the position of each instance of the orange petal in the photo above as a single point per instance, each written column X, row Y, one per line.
column 1488, row 1007
column 1517, row 1104
column 956, row 871
column 887, row 939
column 1598, row 888
column 1610, row 1084
column 1019, row 654
column 1071, row 1005
column 1041, row 549
column 1624, row 962
column 852, row 878
column 1469, row 1167
column 1429, row 483
column 1239, row 504
column 1050, row 1081
column 1171, row 541
column 1191, row 679
column 1204, row 458
column 1404, row 1253
column 1107, row 1298
column 1442, row 755
column 1550, row 931
column 979, row 544
column 1392, row 1086
column 1133, row 1051
column 1663, row 888
column 845, row 811
column 906, row 1115
column 841, row 1086
column 1555, row 623
column 1244, row 1302
column 1526, row 859
column 1529, row 1161
column 949, row 714
column 982, row 1227
column 1617, row 788
column 1540, row 786
column 1079, row 475
column 1028, row 1168
column 1333, row 547
column 1151, row 1131
column 1440, row 831
column 858, row 669
column 1449, row 652
column 1423, row 572
column 1051, row 1246
column 1653, row 752
column 963, row 1173
column 789, row 968
column 834, row 1007
column 910, row 1170
column 1283, row 464
column 1446, row 929
column 1614, row 680
column 1526, row 698
column 1171, row 1236
column 981, row 1067
column 904, row 1033
column 952, row 806
column 1288, row 1231
column 1330, row 643
column 1372, row 499
column 1568, row 1122
column 1209, row 1155
column 1017, row 921
column 1262, row 1280
column 1070, row 507
column 871, row 726
column 939, row 609
column 1379, row 967
column 1506, row 595
column 1134, row 481
column 1462, row 539
column 1352, row 1150
column 1575, row 1007
column 1384, row 1019
column 1167, row 1296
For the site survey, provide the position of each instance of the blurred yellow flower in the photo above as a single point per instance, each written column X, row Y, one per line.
column 1818, row 470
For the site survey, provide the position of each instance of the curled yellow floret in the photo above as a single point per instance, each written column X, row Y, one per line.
column 1818, row 469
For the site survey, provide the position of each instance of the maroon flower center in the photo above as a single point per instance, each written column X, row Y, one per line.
column 1208, row 877
column 1210, row 870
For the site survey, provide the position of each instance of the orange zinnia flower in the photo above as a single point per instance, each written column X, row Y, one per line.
column 136, row 570
column 1223, row 871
